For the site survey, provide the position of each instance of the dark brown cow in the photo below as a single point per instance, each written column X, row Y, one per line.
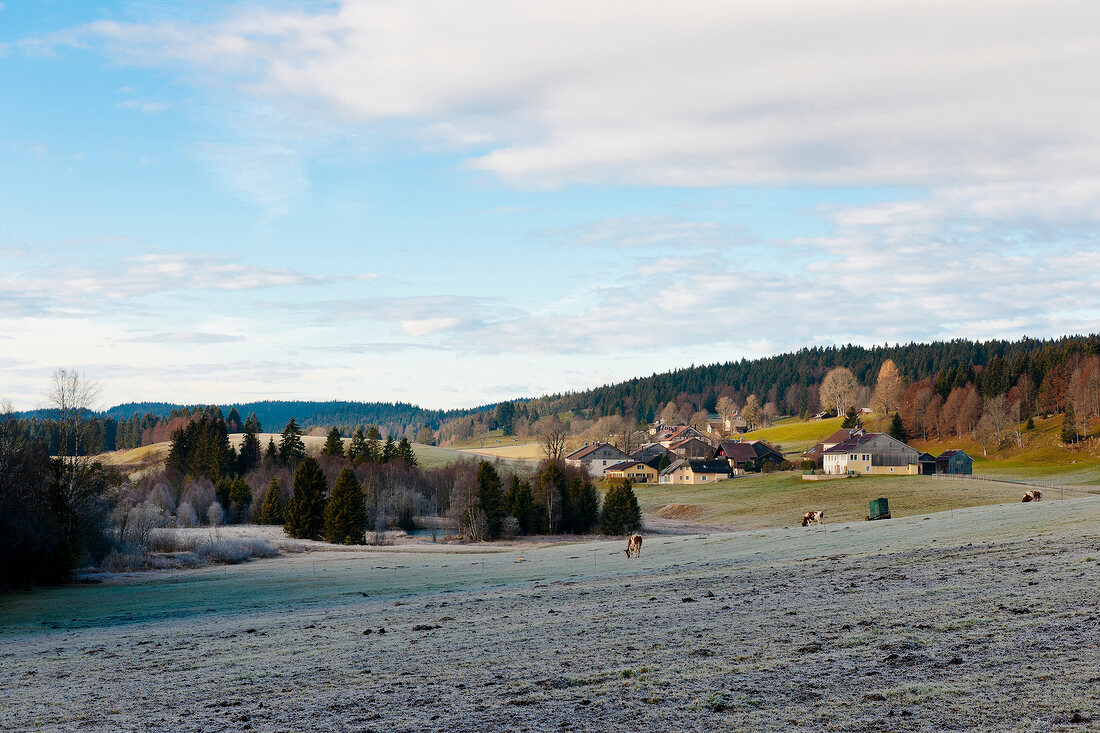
column 1034, row 495
column 815, row 516
column 634, row 546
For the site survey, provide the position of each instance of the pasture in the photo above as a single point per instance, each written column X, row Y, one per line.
column 983, row 618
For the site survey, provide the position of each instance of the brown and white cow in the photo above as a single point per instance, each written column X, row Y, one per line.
column 1033, row 495
column 634, row 546
column 814, row 516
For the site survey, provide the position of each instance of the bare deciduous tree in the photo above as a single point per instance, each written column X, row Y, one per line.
column 838, row 389
column 751, row 411
column 552, row 436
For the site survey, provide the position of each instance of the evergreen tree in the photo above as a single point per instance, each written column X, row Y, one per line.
column 305, row 512
column 1030, row 425
column 490, row 498
column 272, row 510
column 240, row 500
column 357, row 448
column 519, row 503
column 250, row 446
column 389, row 450
column 852, row 419
column 584, row 503
column 334, row 446
column 374, row 445
column 271, row 455
column 1069, row 425
column 553, row 495
column 620, row 509
column 405, row 452
column 897, row 429
column 346, row 511
column 233, row 420
column 291, row 448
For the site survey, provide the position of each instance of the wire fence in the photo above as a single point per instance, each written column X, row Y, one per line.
column 1049, row 487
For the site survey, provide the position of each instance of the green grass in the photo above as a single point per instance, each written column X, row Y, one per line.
column 795, row 436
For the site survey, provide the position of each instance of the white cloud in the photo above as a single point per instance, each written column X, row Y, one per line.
column 695, row 93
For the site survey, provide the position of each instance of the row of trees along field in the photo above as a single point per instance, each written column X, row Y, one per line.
column 68, row 511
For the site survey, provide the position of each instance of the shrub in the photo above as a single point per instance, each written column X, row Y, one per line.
column 234, row 551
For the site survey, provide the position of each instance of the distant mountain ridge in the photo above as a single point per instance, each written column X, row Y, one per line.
column 274, row 414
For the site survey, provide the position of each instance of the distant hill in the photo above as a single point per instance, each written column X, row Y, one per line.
column 274, row 414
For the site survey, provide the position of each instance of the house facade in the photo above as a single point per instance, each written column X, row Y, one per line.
column 692, row 471
column 740, row 452
column 871, row 453
column 634, row 471
column 596, row 457
column 692, row 448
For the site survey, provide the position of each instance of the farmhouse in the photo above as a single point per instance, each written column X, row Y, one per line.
column 954, row 461
column 692, row 448
column 596, row 457
column 691, row 471
column 670, row 434
column 635, row 471
column 870, row 453
column 738, row 453
column 646, row 451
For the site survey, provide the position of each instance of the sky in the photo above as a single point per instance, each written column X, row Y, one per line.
column 452, row 204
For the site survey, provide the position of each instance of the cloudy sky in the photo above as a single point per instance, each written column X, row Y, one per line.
column 455, row 203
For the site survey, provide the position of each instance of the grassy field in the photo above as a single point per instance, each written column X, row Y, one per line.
column 780, row 499
column 519, row 451
column 907, row 625
column 794, row 436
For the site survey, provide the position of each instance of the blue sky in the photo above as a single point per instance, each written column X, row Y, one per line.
column 452, row 205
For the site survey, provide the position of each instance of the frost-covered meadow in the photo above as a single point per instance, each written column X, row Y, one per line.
column 979, row 619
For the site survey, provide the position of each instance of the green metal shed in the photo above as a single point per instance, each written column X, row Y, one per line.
column 879, row 509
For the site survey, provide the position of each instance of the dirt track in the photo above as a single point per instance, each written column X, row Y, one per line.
column 985, row 620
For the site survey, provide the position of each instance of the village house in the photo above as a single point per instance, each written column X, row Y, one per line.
column 817, row 453
column 692, row 448
column 738, row 453
column 871, row 453
column 954, row 461
column 635, row 471
column 647, row 451
column 669, row 434
column 596, row 457
column 692, row 471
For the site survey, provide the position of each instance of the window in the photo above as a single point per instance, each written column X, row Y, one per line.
column 703, row 477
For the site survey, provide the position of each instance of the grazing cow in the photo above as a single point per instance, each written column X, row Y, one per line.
column 1034, row 495
column 815, row 516
column 634, row 546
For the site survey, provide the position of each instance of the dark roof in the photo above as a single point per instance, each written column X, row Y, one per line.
column 852, row 442
column 654, row 461
column 816, row 450
column 764, row 450
column 582, row 453
column 736, row 451
column 925, row 457
column 839, row 436
column 950, row 452
column 711, row 466
column 624, row 465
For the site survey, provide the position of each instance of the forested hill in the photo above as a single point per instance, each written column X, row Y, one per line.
column 789, row 379
column 274, row 414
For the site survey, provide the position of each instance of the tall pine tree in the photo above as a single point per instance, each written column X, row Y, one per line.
column 620, row 509
column 272, row 510
column 334, row 446
column 357, row 448
column 389, row 450
column 490, row 498
column 305, row 512
column 291, row 449
column 519, row 503
column 250, row 446
column 346, row 511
